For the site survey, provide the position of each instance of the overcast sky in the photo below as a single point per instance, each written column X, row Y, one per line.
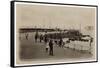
column 66, row 17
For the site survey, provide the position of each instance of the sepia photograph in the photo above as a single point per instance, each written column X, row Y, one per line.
column 54, row 33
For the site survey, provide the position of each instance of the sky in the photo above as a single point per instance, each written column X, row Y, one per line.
column 52, row 16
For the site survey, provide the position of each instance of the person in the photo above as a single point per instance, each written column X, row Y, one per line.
column 56, row 42
column 36, row 36
column 41, row 38
column 47, row 46
column 26, row 36
column 61, row 43
column 51, row 48
column 45, row 39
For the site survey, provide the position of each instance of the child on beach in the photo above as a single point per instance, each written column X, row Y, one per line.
column 47, row 47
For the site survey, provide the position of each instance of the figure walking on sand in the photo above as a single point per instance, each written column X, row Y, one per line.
column 45, row 39
column 47, row 47
column 61, row 43
column 36, row 36
column 26, row 36
column 51, row 48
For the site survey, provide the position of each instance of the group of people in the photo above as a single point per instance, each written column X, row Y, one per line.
column 49, row 42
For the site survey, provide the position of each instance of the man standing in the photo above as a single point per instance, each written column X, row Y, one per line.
column 36, row 36
column 45, row 39
column 51, row 48
column 61, row 43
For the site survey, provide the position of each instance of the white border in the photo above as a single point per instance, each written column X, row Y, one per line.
column 67, row 5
